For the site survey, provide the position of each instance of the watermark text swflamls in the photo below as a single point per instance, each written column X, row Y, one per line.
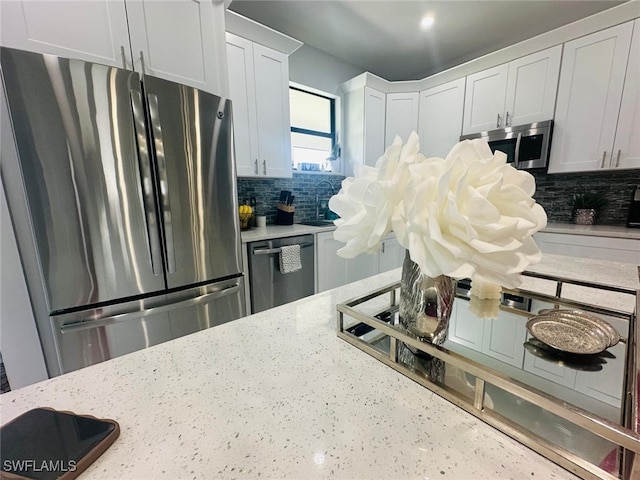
column 39, row 465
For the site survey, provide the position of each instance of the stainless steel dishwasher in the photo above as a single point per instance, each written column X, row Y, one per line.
column 270, row 287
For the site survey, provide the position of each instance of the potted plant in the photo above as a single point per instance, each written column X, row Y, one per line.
column 586, row 206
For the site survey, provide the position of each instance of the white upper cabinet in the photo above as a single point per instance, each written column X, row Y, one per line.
column 178, row 40
column 484, row 100
column 243, row 96
column 374, row 125
column 589, row 95
column 531, row 87
column 259, row 90
column 440, row 118
column 95, row 31
column 516, row 93
column 626, row 148
column 401, row 116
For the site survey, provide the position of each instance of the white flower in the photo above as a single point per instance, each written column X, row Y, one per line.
column 470, row 216
column 367, row 201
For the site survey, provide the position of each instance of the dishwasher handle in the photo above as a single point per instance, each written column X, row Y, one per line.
column 269, row 251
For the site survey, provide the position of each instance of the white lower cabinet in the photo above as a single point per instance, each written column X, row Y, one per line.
column 334, row 271
column 465, row 328
column 586, row 246
column 501, row 339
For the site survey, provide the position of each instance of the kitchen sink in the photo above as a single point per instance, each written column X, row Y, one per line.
column 318, row 223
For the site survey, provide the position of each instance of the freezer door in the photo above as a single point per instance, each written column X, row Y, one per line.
column 92, row 336
column 192, row 136
column 74, row 130
column 207, row 306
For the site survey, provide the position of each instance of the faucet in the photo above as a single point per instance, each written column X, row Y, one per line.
column 318, row 198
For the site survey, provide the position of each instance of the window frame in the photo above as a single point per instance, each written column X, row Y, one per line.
column 332, row 112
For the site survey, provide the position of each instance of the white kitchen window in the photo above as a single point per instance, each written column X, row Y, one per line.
column 313, row 130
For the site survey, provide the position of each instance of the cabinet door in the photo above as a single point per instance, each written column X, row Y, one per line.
column 626, row 150
column 374, row 125
column 485, row 99
column 332, row 269
column 401, row 116
column 391, row 254
column 503, row 338
column 272, row 109
column 589, row 94
column 464, row 327
column 531, row 87
column 362, row 266
column 178, row 40
column 243, row 95
column 440, row 118
column 93, row 31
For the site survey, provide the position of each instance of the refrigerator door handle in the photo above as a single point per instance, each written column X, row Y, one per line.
column 161, row 162
column 148, row 203
column 123, row 317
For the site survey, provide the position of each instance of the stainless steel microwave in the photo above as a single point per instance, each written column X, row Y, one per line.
column 526, row 146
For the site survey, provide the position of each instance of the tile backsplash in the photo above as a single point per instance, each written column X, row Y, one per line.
column 553, row 192
column 303, row 186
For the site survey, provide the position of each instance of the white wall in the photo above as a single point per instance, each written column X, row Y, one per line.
column 314, row 68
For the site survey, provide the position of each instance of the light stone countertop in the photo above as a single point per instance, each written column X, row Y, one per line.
column 593, row 230
column 277, row 231
column 278, row 395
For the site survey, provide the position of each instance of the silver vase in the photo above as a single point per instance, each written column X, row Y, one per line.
column 425, row 302
column 584, row 216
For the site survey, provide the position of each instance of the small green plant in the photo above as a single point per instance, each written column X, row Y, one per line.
column 589, row 200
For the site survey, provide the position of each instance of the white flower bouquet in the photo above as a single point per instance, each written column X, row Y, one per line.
column 470, row 215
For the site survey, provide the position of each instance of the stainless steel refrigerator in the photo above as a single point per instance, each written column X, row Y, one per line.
column 122, row 192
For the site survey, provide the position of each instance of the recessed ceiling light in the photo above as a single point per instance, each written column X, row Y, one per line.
column 427, row 21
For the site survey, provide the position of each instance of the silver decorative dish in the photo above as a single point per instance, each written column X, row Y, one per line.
column 573, row 331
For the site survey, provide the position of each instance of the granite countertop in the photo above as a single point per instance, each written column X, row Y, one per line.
column 277, row 394
column 277, row 231
column 593, row 230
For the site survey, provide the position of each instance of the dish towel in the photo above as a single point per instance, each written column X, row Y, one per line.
column 290, row 259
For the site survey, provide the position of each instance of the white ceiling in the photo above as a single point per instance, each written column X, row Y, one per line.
column 384, row 37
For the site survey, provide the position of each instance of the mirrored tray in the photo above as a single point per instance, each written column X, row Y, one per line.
column 573, row 331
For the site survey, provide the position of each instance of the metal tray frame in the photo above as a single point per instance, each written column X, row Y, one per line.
column 624, row 436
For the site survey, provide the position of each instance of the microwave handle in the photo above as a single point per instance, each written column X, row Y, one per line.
column 517, row 154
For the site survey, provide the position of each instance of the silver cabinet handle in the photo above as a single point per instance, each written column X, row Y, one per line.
column 604, row 155
column 498, row 121
column 148, row 200
column 256, row 164
column 264, row 167
column 125, row 317
column 142, row 62
column 269, row 251
column 165, row 200
column 124, row 57
column 618, row 158
column 382, row 247
column 517, row 152
column 506, row 120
